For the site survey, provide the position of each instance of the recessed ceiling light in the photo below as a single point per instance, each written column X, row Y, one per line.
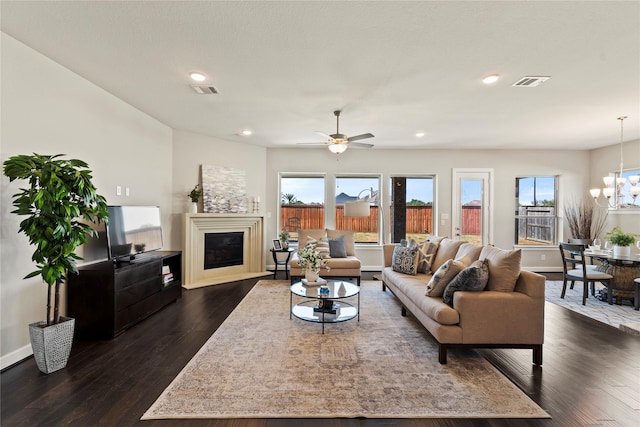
column 245, row 132
column 419, row 134
column 490, row 79
column 198, row 77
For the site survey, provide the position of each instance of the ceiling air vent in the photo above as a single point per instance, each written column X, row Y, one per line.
column 205, row 90
column 531, row 81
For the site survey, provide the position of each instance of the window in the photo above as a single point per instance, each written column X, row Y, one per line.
column 536, row 216
column 301, row 203
column 367, row 229
column 417, row 193
column 626, row 195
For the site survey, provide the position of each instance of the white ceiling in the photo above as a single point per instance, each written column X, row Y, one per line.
column 394, row 68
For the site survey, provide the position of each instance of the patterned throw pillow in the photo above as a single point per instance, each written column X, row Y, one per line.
column 472, row 278
column 404, row 260
column 321, row 246
column 426, row 253
column 442, row 277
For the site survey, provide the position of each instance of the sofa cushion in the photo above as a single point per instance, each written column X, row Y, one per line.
column 335, row 264
column 504, row 268
column 349, row 239
column 315, row 233
column 442, row 277
column 472, row 278
column 432, row 307
column 447, row 250
column 470, row 250
column 404, row 259
column 435, row 239
column 426, row 254
column 321, row 246
column 337, row 248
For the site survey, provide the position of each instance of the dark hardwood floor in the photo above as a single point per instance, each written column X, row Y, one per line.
column 590, row 375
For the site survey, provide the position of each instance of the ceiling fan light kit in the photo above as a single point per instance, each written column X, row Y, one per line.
column 337, row 148
column 338, row 142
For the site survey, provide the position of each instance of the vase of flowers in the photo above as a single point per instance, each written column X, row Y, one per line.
column 621, row 242
column 311, row 262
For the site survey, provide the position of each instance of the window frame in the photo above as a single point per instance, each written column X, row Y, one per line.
column 301, row 175
column 554, row 217
column 626, row 173
column 380, row 219
column 434, row 188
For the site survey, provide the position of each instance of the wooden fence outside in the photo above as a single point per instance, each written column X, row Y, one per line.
column 536, row 224
column 419, row 219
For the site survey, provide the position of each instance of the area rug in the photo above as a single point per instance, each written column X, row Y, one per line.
column 262, row 364
column 618, row 316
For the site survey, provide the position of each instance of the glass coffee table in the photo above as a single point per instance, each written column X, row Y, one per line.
column 326, row 308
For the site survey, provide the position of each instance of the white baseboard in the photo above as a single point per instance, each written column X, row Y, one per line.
column 15, row 356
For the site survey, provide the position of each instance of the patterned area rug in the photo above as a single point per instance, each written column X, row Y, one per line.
column 619, row 316
column 261, row 364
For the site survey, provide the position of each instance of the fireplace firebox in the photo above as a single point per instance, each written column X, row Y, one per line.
column 223, row 249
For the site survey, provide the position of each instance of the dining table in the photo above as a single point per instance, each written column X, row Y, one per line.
column 624, row 270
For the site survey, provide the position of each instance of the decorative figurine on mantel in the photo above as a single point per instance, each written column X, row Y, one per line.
column 195, row 195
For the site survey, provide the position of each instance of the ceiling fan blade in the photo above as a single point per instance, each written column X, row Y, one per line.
column 360, row 144
column 326, row 135
column 358, row 137
column 319, row 144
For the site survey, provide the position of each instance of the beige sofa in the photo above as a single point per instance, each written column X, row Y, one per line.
column 344, row 268
column 484, row 319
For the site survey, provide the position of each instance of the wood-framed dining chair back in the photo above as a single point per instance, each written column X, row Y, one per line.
column 575, row 268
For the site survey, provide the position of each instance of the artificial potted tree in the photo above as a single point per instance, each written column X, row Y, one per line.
column 284, row 239
column 194, row 195
column 59, row 204
column 621, row 242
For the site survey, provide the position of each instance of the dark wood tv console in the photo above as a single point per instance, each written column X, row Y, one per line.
column 106, row 298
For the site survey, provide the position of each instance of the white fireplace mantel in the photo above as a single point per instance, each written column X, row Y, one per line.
column 195, row 228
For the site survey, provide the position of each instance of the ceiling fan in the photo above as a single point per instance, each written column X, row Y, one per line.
column 338, row 143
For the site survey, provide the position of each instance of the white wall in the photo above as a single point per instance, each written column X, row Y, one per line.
column 571, row 166
column 192, row 150
column 50, row 110
column 607, row 160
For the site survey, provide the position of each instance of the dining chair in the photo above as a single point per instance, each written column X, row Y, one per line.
column 591, row 265
column 574, row 268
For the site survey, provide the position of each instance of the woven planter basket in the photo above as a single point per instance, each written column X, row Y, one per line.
column 52, row 344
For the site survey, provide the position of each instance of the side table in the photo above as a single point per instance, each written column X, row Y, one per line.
column 281, row 261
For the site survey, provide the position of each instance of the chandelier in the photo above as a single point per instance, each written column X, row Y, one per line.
column 613, row 190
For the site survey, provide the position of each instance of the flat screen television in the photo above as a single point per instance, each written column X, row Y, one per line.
column 133, row 230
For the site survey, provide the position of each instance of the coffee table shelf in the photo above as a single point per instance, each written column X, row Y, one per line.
column 338, row 291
